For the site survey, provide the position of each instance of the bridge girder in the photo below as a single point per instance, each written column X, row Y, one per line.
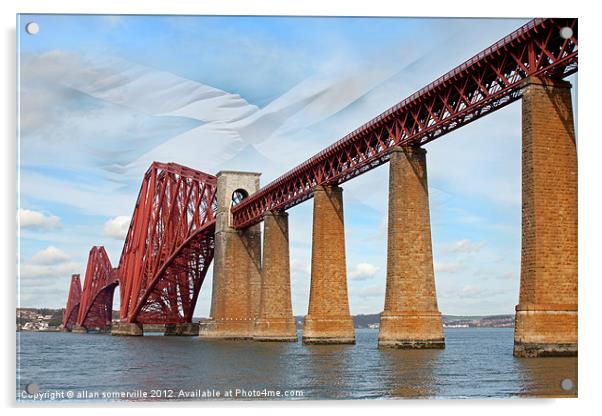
column 483, row 84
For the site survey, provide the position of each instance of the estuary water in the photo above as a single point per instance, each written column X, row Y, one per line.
column 476, row 363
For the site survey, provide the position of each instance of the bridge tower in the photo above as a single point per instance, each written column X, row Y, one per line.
column 237, row 263
column 546, row 316
column 411, row 318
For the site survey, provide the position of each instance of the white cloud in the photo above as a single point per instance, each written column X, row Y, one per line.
column 464, row 246
column 38, row 220
column 49, row 263
column 363, row 271
column 50, row 255
column 117, row 227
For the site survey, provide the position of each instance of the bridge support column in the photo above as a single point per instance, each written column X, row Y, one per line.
column 127, row 329
column 236, row 266
column 276, row 321
column 546, row 316
column 328, row 320
column 411, row 318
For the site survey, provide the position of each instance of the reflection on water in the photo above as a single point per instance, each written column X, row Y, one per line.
column 542, row 377
column 476, row 363
column 410, row 374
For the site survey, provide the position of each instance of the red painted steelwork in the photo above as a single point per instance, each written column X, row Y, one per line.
column 75, row 294
column 490, row 80
column 169, row 245
column 96, row 307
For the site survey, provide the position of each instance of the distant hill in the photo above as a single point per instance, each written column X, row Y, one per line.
column 39, row 319
column 450, row 321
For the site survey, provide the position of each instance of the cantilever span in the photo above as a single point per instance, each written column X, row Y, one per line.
column 166, row 254
column 169, row 245
column 485, row 83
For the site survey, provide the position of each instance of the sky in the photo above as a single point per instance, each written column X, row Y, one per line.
column 101, row 97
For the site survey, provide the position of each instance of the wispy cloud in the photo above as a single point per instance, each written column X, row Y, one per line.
column 102, row 197
column 471, row 291
column 463, row 246
column 449, row 266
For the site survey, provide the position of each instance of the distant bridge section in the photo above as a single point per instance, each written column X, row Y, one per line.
column 73, row 301
column 96, row 307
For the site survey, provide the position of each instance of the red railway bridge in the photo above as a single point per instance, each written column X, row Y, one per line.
column 183, row 218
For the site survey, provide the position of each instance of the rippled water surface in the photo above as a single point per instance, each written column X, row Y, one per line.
column 476, row 363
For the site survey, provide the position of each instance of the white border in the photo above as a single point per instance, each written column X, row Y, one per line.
column 590, row 208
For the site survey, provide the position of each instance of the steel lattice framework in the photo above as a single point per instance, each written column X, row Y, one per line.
column 169, row 245
column 96, row 306
column 488, row 81
column 72, row 309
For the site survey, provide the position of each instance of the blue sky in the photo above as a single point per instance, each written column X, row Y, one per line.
column 103, row 96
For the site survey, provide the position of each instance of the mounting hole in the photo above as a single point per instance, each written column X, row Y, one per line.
column 566, row 32
column 32, row 28
column 32, row 388
column 566, row 384
column 238, row 196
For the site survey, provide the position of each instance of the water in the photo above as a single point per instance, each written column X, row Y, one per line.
column 476, row 363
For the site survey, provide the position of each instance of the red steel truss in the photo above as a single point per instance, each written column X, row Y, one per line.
column 96, row 307
column 169, row 245
column 488, row 81
column 75, row 294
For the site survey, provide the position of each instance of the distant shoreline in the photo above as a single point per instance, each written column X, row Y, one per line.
column 50, row 320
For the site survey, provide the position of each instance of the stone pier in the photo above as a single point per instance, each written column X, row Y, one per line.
column 276, row 321
column 236, row 267
column 328, row 320
column 546, row 316
column 127, row 329
column 78, row 329
column 155, row 328
column 411, row 318
column 183, row 330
